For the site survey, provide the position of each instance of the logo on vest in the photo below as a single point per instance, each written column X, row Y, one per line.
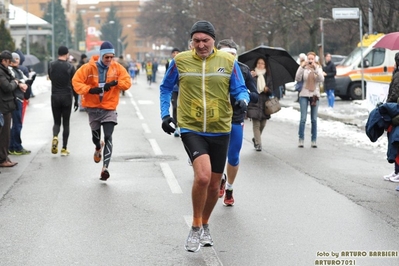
column 221, row 69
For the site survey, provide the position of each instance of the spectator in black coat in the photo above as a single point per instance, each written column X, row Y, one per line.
column 329, row 72
column 393, row 97
column 8, row 84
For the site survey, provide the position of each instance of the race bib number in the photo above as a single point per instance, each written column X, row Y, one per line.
column 101, row 85
column 212, row 110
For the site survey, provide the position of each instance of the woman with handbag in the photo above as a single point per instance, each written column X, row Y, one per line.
column 256, row 111
column 312, row 75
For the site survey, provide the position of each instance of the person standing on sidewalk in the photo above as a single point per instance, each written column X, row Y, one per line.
column 312, row 75
column 329, row 72
column 31, row 78
column 206, row 77
column 237, row 127
column 60, row 73
column 393, row 97
column 99, row 82
column 8, row 84
column 301, row 61
column 16, row 128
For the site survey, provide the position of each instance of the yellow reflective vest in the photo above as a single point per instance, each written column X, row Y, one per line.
column 204, row 100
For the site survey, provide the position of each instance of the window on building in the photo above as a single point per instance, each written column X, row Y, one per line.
column 139, row 43
column 43, row 6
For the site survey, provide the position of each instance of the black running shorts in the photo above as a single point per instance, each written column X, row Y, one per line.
column 215, row 147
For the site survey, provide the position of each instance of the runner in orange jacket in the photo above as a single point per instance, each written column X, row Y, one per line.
column 99, row 82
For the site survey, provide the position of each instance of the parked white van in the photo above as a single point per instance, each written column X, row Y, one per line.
column 378, row 65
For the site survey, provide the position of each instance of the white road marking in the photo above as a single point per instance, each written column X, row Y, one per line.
column 171, row 179
column 155, row 147
column 146, row 128
column 139, row 115
column 188, row 219
column 208, row 253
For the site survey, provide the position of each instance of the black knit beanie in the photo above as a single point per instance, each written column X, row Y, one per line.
column 203, row 26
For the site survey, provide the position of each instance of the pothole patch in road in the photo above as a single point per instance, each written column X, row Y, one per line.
column 145, row 158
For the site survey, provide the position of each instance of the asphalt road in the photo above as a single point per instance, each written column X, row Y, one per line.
column 293, row 206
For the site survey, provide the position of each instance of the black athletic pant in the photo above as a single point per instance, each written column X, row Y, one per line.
column 108, row 128
column 61, row 105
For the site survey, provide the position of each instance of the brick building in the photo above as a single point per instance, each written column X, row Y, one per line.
column 94, row 14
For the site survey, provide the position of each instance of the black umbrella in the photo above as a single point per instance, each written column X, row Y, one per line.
column 280, row 63
column 30, row 60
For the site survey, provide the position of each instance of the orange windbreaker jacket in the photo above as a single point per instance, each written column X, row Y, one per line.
column 86, row 77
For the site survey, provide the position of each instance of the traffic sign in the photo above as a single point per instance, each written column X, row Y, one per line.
column 352, row 13
column 345, row 13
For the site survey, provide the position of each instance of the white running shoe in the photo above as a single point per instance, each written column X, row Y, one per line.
column 387, row 177
column 206, row 239
column 395, row 178
column 300, row 143
column 193, row 243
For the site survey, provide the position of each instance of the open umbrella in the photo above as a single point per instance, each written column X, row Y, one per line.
column 281, row 64
column 75, row 54
column 30, row 60
column 389, row 41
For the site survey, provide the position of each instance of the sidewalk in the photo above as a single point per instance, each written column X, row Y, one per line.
column 348, row 112
column 41, row 85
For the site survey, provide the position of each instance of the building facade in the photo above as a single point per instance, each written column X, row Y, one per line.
column 37, row 31
column 94, row 16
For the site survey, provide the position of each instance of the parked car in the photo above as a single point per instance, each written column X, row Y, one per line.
column 337, row 59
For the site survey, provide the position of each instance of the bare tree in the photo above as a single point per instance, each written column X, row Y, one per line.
column 291, row 24
column 385, row 14
column 167, row 20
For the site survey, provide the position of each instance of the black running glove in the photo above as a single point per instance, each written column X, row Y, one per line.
column 95, row 90
column 166, row 124
column 107, row 86
column 242, row 104
column 75, row 106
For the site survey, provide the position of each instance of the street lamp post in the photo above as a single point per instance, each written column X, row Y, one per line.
column 27, row 28
column 353, row 13
column 120, row 47
column 322, row 38
column 120, row 44
column 66, row 33
column 52, row 31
